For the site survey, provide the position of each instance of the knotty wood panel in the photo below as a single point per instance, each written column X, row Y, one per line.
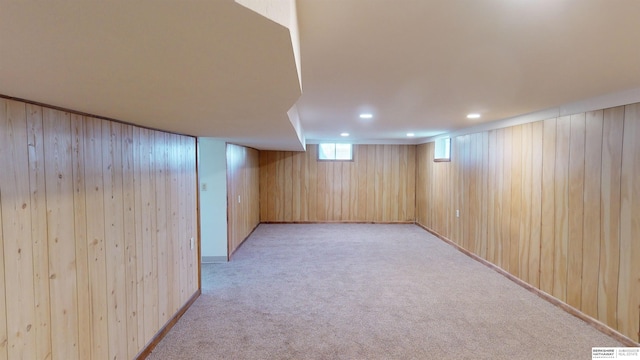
column 62, row 268
column 18, row 255
column 378, row 185
column 561, row 202
column 243, row 191
column 78, row 227
column 39, row 230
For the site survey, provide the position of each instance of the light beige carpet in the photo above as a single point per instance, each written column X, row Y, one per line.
column 360, row 291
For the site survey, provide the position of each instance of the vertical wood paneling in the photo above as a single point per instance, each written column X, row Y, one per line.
column 378, row 185
column 185, row 186
column 561, row 195
column 114, row 233
column 39, row 232
column 321, row 195
column 79, row 276
column 162, row 235
column 18, row 253
column 94, row 189
column 140, row 231
column 130, row 246
column 345, row 193
column 371, row 182
column 499, row 204
column 312, row 163
column 629, row 280
column 535, row 245
column 576, row 211
column 410, row 189
column 516, row 200
column 62, row 269
column 334, row 177
column 483, row 147
column 547, row 240
column 297, row 195
column 288, row 186
column 361, row 171
column 80, row 223
column 612, row 136
column 591, row 223
column 265, row 174
column 492, row 203
column 526, row 203
column 506, row 199
column 242, row 183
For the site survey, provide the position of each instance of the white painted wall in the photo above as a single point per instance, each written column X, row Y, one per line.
column 212, row 170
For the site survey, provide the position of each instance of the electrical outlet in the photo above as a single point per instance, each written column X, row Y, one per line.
column 204, row 186
column 457, row 213
column 192, row 243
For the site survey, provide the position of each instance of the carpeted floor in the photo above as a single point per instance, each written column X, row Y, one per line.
column 361, row 291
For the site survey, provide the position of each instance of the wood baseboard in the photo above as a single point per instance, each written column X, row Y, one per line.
column 144, row 353
column 242, row 242
column 597, row 324
column 338, row 222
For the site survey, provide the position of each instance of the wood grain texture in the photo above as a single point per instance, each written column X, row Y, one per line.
column 18, row 247
column 80, row 224
column 576, row 210
column 561, row 206
column 561, row 228
column 629, row 280
column 39, row 231
column 62, row 269
column 535, row 244
column 547, row 240
column 526, row 204
column 78, row 203
column 378, row 185
column 591, row 224
column 516, row 200
column 612, row 136
column 94, row 189
column 243, row 177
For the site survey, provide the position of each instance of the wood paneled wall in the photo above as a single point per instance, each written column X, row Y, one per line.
column 555, row 203
column 377, row 186
column 96, row 219
column 242, row 194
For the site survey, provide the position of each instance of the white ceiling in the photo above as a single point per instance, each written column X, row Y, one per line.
column 217, row 69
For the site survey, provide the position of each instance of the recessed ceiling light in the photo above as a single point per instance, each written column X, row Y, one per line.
column 366, row 116
column 473, row 116
column 411, row 134
column 344, row 134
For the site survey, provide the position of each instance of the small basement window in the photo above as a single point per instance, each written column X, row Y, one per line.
column 333, row 151
column 442, row 151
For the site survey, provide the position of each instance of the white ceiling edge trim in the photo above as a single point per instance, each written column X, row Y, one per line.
column 294, row 118
column 596, row 103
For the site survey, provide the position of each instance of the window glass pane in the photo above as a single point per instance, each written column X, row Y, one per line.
column 442, row 149
column 343, row 152
column 327, row 151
